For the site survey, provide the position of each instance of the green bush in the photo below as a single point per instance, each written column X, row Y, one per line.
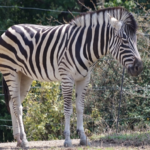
column 44, row 111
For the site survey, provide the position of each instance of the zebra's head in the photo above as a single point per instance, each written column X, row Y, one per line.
column 123, row 43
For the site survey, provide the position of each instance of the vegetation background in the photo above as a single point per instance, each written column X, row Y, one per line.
column 43, row 107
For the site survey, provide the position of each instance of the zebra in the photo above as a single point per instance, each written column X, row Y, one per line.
column 65, row 53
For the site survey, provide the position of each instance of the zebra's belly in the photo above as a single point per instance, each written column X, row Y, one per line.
column 45, row 75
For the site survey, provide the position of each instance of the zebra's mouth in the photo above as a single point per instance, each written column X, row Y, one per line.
column 136, row 69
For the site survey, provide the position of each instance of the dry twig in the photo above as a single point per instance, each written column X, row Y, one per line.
column 93, row 4
column 88, row 8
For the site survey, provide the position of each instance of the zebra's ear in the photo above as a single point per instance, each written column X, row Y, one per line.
column 114, row 22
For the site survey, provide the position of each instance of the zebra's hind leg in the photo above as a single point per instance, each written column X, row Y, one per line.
column 81, row 87
column 24, row 89
column 67, row 87
column 7, row 77
column 13, row 81
column 16, row 129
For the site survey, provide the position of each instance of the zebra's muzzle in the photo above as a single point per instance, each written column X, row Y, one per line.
column 137, row 68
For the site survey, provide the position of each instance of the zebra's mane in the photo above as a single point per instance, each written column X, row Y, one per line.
column 121, row 14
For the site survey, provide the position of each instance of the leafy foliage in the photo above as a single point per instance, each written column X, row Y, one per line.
column 130, row 5
column 10, row 16
column 44, row 111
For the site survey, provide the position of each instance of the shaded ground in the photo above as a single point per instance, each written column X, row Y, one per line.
column 99, row 144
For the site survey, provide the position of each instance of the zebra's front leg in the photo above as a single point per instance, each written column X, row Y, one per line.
column 67, row 87
column 81, row 87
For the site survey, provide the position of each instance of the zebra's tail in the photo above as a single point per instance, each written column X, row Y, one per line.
column 6, row 94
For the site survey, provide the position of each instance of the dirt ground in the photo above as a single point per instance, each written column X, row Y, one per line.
column 58, row 144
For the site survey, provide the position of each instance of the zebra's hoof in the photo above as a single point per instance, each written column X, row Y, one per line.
column 68, row 143
column 18, row 144
column 24, row 144
column 85, row 143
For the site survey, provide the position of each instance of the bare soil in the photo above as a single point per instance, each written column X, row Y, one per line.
column 58, row 144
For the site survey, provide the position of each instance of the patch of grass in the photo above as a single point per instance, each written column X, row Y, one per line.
column 139, row 136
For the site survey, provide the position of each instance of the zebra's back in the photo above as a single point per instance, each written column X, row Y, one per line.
column 34, row 50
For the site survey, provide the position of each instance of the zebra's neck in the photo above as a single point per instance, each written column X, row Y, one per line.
column 96, row 32
column 99, row 37
column 92, row 41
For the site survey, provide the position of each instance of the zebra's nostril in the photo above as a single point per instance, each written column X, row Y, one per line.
column 136, row 68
